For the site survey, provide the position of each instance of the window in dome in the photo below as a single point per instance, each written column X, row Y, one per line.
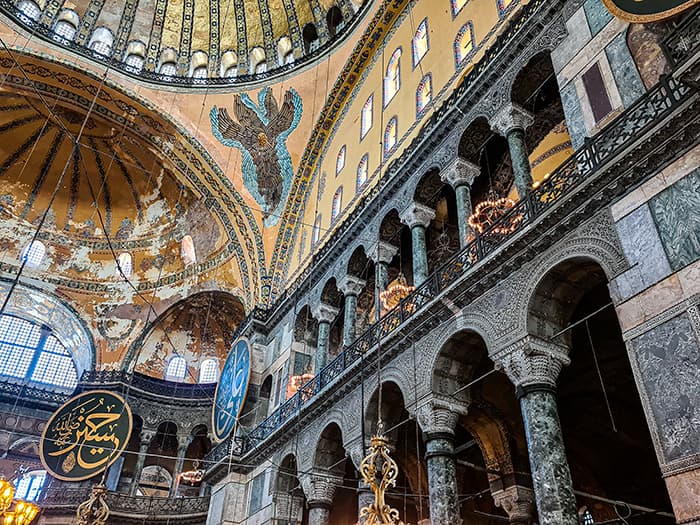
column 367, row 117
column 503, row 6
column 187, row 252
column 209, row 371
column 337, row 204
column 168, row 69
column 310, row 36
column 199, row 62
column 258, row 60
column 362, row 169
column 424, row 93
column 391, row 134
column 464, row 43
column 392, row 77
column 135, row 55
column 334, row 20
column 29, row 9
column 101, row 41
column 229, row 64
column 125, row 264
column 587, row 518
column 340, row 160
column 168, row 62
column 33, row 254
column 285, row 51
column 316, row 232
column 261, row 68
column 457, row 6
column 135, row 62
column 33, row 353
column 420, row 42
column 66, row 26
column 231, row 72
column 29, row 485
column 176, row 370
column 200, row 72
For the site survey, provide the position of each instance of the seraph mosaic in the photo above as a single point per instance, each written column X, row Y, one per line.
column 260, row 132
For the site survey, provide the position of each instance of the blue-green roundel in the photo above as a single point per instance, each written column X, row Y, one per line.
column 232, row 389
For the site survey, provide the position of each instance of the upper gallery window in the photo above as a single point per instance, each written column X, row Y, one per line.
column 316, row 232
column 457, row 6
column 340, row 160
column 209, row 371
column 420, row 42
column 29, row 9
column 503, row 6
column 33, row 253
column 337, row 203
column 464, row 43
column 67, row 24
column 135, row 55
column 367, row 117
column 391, row 134
column 424, row 93
column 29, row 485
column 362, row 169
column 101, row 41
column 125, row 264
column 176, row 370
column 392, row 77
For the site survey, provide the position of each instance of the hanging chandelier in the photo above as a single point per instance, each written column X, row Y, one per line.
column 94, row 510
column 194, row 476
column 395, row 291
column 489, row 212
column 379, row 471
column 23, row 512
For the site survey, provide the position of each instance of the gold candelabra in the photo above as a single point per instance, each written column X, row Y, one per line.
column 94, row 510
column 23, row 512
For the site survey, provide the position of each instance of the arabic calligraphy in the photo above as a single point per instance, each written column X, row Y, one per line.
column 644, row 11
column 232, row 390
column 85, row 435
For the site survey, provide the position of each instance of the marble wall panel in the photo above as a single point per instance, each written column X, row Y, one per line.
column 596, row 13
column 624, row 70
column 574, row 115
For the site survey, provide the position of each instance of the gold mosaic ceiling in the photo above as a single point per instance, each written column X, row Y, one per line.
column 193, row 42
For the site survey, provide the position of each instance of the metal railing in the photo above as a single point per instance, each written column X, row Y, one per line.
column 650, row 109
column 152, row 385
column 682, row 44
column 24, row 394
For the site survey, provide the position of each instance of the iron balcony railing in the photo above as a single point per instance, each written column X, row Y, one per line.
column 152, row 385
column 681, row 45
column 654, row 106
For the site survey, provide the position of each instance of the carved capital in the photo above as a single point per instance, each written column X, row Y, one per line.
column 436, row 418
column 146, row 437
column 460, row 172
column 324, row 313
column 510, row 117
column 417, row 215
column 533, row 361
column 383, row 252
column 351, row 285
column 518, row 502
column 320, row 486
column 356, row 452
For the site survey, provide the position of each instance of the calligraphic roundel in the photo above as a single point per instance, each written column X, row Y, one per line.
column 86, row 435
column 645, row 11
column 231, row 390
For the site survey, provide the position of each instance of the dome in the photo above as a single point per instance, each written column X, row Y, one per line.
column 195, row 42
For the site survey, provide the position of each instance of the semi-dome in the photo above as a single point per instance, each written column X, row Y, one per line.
column 193, row 42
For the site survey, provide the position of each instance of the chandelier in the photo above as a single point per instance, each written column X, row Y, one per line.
column 490, row 212
column 23, row 512
column 379, row 471
column 194, row 476
column 395, row 291
column 94, row 510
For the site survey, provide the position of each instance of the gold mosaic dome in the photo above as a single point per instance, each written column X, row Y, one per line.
column 193, row 42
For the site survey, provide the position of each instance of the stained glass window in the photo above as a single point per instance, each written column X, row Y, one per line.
column 424, row 93
column 209, row 371
column 420, row 42
column 503, row 6
column 65, row 29
column 367, row 117
column 337, row 203
column 457, row 6
column 316, row 232
column 362, row 170
column 340, row 160
column 464, row 43
column 101, row 41
column 390, row 136
column 176, row 370
column 392, row 77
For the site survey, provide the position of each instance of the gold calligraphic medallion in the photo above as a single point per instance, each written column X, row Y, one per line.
column 86, row 435
column 645, row 11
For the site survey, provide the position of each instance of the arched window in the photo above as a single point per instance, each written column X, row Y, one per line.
column 176, row 370
column 31, row 352
column 316, row 232
column 29, row 485
column 66, row 25
column 124, row 264
column 229, row 64
column 168, row 62
column 337, row 203
column 285, row 51
column 587, row 518
column 391, row 134
column 258, row 62
column 187, row 251
column 334, row 20
column 464, row 43
column 199, row 72
column 29, row 9
column 420, row 42
column 33, row 254
column 209, row 371
column 101, row 41
column 367, row 117
column 340, row 161
column 457, row 6
column 362, row 170
column 310, row 36
column 503, row 6
column 392, row 77
column 135, row 55
column 199, row 65
column 424, row 93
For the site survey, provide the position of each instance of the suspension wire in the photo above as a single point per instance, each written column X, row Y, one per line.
column 600, row 378
column 582, row 320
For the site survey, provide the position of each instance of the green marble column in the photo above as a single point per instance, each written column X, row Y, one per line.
column 325, row 314
column 461, row 174
column 442, row 480
column 464, row 210
column 145, row 442
column 319, row 513
column 417, row 217
column 511, row 121
column 351, row 287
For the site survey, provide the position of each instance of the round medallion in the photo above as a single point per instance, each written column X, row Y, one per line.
column 645, row 11
column 231, row 390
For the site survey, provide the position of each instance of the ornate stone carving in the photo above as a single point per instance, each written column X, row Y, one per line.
column 510, row 117
column 436, row 418
column 383, row 252
column 460, row 172
column 417, row 214
column 533, row 361
column 324, row 313
column 518, row 502
column 351, row 285
column 320, row 486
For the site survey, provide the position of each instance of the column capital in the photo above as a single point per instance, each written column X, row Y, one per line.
column 320, row 487
column 324, row 312
column 383, row 252
column 460, row 172
column 518, row 502
column 437, row 418
column 510, row 117
column 533, row 361
column 146, row 436
column 417, row 214
column 351, row 285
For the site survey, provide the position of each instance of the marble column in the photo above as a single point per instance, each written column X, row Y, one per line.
column 438, row 425
column 320, row 489
column 382, row 253
column 461, row 174
column 144, row 442
column 351, row 287
column 518, row 502
column 533, row 365
column 325, row 314
column 511, row 121
column 417, row 217
column 184, row 442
